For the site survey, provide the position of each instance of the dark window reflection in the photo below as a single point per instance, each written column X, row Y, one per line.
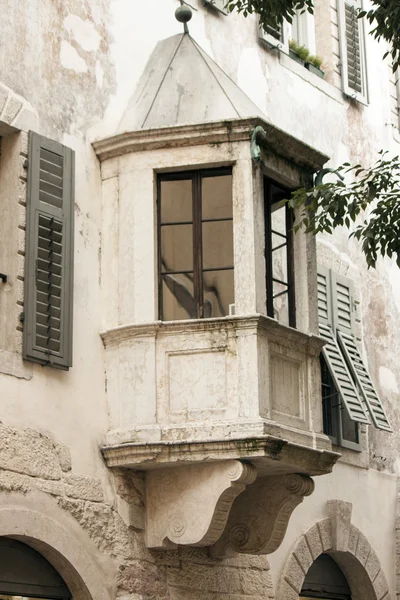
column 218, row 292
column 176, row 203
column 178, row 297
column 176, row 248
column 196, row 244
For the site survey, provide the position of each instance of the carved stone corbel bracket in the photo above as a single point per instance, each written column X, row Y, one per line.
column 259, row 517
column 190, row 505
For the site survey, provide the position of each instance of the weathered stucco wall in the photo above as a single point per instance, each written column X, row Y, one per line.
column 75, row 64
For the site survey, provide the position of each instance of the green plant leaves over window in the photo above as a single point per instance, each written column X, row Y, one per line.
column 384, row 17
column 373, row 197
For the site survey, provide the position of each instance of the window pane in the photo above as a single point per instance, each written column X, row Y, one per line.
column 218, row 293
column 178, row 297
column 278, row 220
column 176, row 201
column 217, row 244
column 281, row 303
column 349, row 427
column 279, row 258
column 176, row 248
column 217, row 197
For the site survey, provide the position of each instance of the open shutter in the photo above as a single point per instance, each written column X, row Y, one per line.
column 49, row 253
column 364, row 382
column 218, row 4
column 332, row 354
column 276, row 37
column 343, row 306
column 352, row 50
column 344, row 325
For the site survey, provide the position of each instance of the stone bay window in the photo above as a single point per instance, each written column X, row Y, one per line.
column 212, row 392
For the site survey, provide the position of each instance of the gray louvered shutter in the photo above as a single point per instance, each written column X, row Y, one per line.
column 352, row 50
column 49, row 253
column 332, row 354
column 343, row 304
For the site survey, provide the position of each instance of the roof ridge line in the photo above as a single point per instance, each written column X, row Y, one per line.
column 163, row 79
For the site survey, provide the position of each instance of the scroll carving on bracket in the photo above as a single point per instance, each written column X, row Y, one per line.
column 190, row 505
column 259, row 517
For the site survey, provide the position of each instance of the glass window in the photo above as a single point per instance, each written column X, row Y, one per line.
column 336, row 421
column 279, row 254
column 195, row 244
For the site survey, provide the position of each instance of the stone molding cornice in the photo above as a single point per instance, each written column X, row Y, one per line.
column 232, row 130
column 276, row 331
column 265, row 449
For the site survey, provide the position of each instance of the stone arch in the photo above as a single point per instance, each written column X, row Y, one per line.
column 347, row 545
column 58, row 544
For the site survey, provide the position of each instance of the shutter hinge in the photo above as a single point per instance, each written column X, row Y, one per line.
column 25, row 163
column 22, row 317
column 3, row 277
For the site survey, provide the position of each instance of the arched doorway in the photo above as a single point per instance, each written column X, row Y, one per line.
column 26, row 574
column 325, row 581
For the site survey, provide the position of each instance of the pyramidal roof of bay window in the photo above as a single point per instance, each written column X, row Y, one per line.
column 182, row 85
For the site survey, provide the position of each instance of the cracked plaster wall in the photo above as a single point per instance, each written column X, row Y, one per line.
column 76, row 64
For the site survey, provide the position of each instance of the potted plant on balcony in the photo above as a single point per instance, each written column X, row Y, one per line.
column 302, row 55
column 298, row 53
column 313, row 64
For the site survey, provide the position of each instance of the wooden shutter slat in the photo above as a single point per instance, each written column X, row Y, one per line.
column 331, row 352
column 343, row 303
column 363, row 379
column 49, row 253
column 323, row 296
column 50, row 178
column 351, row 39
column 342, row 377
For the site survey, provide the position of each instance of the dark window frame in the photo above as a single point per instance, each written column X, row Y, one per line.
column 289, row 218
column 196, row 176
column 333, row 412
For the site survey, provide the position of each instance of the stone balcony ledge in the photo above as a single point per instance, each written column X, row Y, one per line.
column 270, row 455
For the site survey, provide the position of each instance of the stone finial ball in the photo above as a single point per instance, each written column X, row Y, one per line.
column 183, row 13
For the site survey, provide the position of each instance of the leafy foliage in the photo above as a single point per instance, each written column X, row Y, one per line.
column 384, row 16
column 270, row 12
column 374, row 196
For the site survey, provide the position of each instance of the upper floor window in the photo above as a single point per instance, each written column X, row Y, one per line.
column 352, row 50
column 279, row 254
column 195, row 241
column 301, row 30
